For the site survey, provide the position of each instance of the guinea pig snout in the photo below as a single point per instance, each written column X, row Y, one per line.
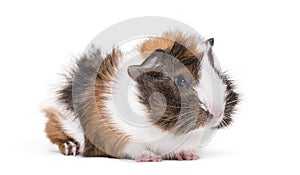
column 216, row 113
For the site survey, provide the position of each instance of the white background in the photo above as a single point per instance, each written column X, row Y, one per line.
column 257, row 41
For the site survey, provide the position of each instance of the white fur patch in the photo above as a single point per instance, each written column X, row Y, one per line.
column 166, row 144
column 211, row 90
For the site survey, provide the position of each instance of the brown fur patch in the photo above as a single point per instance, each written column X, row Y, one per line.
column 167, row 40
column 101, row 134
column 91, row 151
column 154, row 43
column 54, row 129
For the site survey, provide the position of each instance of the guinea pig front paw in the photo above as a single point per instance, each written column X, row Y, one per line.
column 148, row 157
column 71, row 148
column 186, row 156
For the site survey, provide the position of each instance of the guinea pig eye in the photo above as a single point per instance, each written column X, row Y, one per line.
column 181, row 82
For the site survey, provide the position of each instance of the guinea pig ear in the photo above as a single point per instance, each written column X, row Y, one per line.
column 211, row 41
column 152, row 61
column 134, row 71
column 206, row 45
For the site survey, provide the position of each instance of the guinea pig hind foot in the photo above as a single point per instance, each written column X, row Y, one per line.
column 148, row 156
column 57, row 134
column 70, row 148
column 186, row 156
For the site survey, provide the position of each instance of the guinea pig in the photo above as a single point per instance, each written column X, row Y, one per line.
column 153, row 108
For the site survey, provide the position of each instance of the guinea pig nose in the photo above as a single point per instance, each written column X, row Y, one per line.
column 210, row 116
column 216, row 113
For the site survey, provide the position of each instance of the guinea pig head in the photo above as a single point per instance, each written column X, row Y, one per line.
column 166, row 88
column 183, row 92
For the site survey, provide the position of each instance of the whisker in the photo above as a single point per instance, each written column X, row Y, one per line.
column 233, row 101
column 183, row 107
column 189, row 104
column 190, row 112
column 230, row 95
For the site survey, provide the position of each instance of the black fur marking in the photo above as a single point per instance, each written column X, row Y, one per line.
column 65, row 96
column 78, row 79
column 178, row 51
column 211, row 41
column 211, row 58
column 84, row 81
column 232, row 99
